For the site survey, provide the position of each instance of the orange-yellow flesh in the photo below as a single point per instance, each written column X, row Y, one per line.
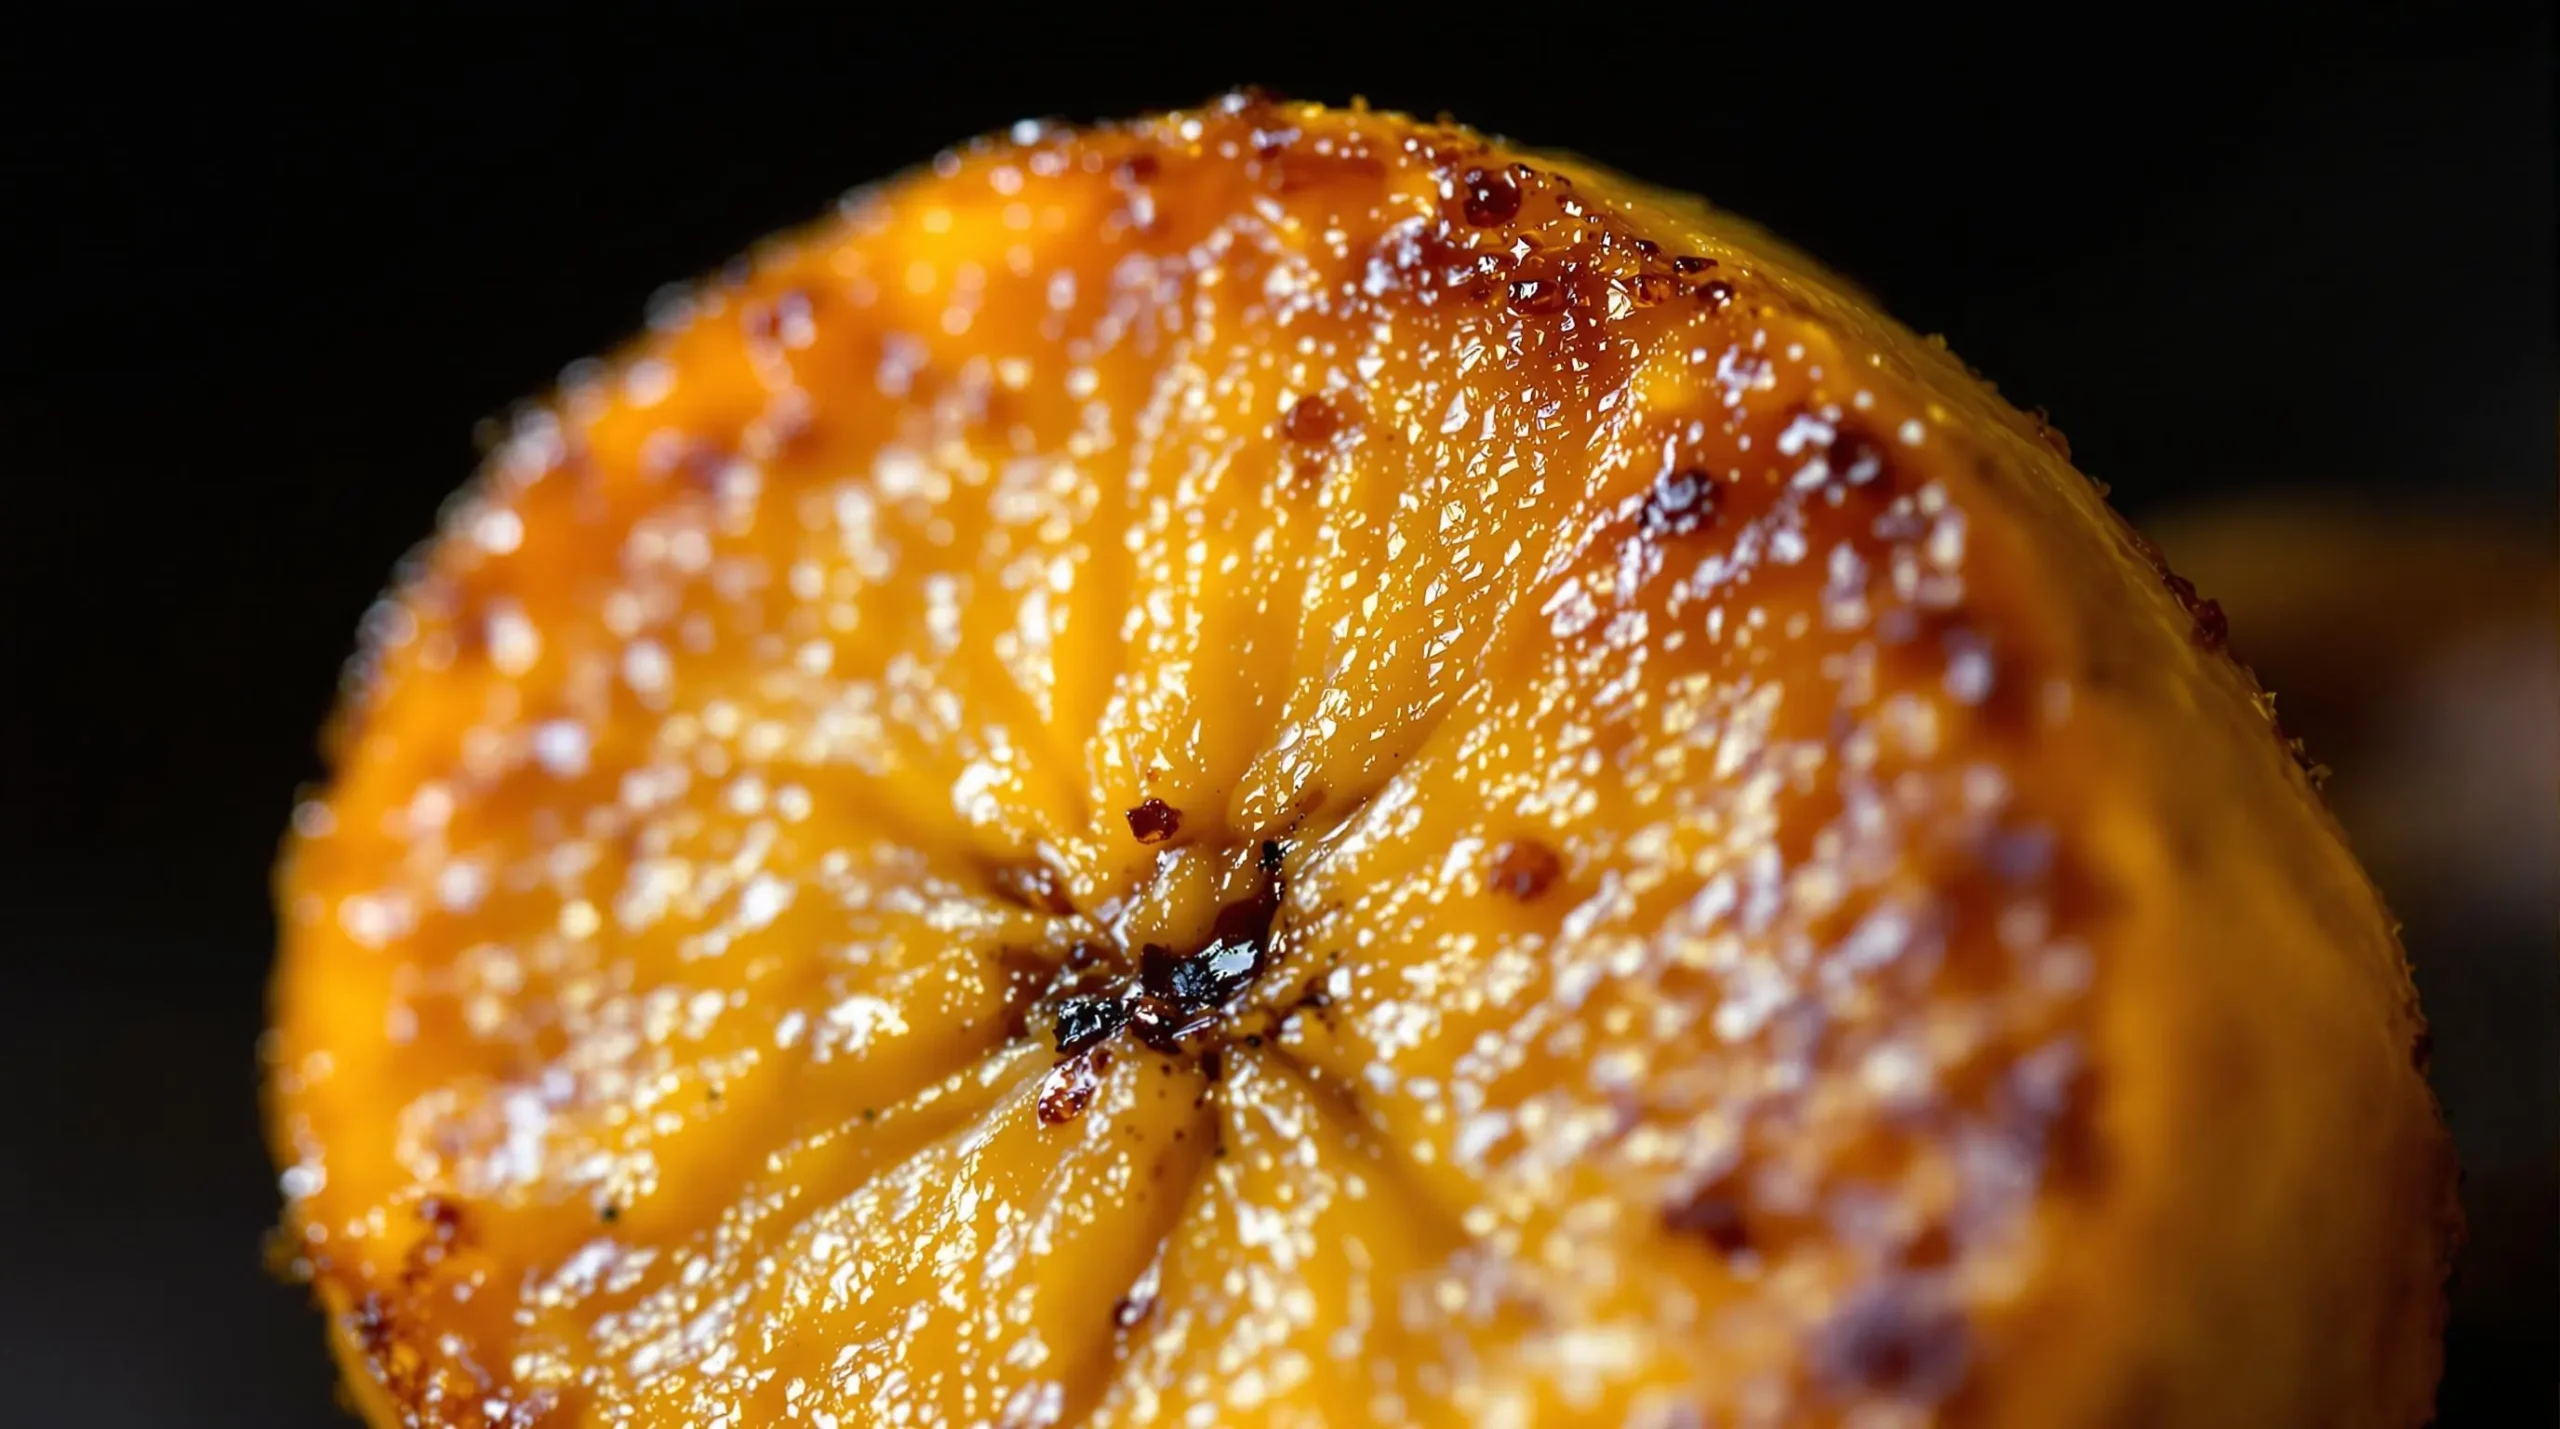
column 1781, row 917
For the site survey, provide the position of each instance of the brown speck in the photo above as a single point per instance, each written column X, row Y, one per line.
column 443, row 1219
column 1488, row 197
column 2211, row 629
column 1523, row 869
column 1311, row 421
column 1855, row 456
column 609, row 1212
column 1067, row 1090
column 1154, row 821
column 1130, row 1309
column 1715, row 293
column 1891, row 1341
column 1137, row 169
column 1930, row 1249
column 1711, row 1214
column 1688, row 266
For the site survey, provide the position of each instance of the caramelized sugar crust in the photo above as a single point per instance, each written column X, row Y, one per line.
column 1281, row 766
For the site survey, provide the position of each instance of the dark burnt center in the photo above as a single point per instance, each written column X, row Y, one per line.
column 1173, row 1001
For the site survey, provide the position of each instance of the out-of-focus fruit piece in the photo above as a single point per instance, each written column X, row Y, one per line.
column 2419, row 652
column 1281, row 766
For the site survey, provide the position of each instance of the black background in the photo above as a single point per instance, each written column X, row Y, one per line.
column 269, row 274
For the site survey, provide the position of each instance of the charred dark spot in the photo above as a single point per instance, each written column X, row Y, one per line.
column 1653, row 289
column 1213, row 1066
column 1713, row 1214
column 1715, row 293
column 1854, row 455
column 1269, row 860
column 1215, row 973
column 609, row 1212
column 1894, row 1341
column 1311, row 421
column 1524, row 868
column 1154, row 821
column 1681, row 501
column 1930, row 1249
column 1690, row 266
column 1086, row 1021
column 2210, row 628
column 1219, row 971
column 2075, row 1155
column 1032, row 885
column 443, row 1218
column 1069, row 1088
column 1155, row 968
column 1182, row 994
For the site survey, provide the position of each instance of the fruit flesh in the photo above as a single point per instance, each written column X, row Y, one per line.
column 1278, row 766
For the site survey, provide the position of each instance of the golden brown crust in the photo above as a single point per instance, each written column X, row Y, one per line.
column 1381, row 779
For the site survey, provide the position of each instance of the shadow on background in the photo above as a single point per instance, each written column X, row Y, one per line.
column 2290, row 293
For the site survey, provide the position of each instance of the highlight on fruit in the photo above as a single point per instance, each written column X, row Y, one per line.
column 1276, row 765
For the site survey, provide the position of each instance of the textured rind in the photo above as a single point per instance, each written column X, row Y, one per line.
column 2237, row 1202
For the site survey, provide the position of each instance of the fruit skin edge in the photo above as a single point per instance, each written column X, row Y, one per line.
column 2232, row 1065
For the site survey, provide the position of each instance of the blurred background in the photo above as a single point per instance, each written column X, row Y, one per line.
column 2287, row 284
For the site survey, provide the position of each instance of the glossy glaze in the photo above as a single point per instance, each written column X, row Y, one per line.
column 1279, row 766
